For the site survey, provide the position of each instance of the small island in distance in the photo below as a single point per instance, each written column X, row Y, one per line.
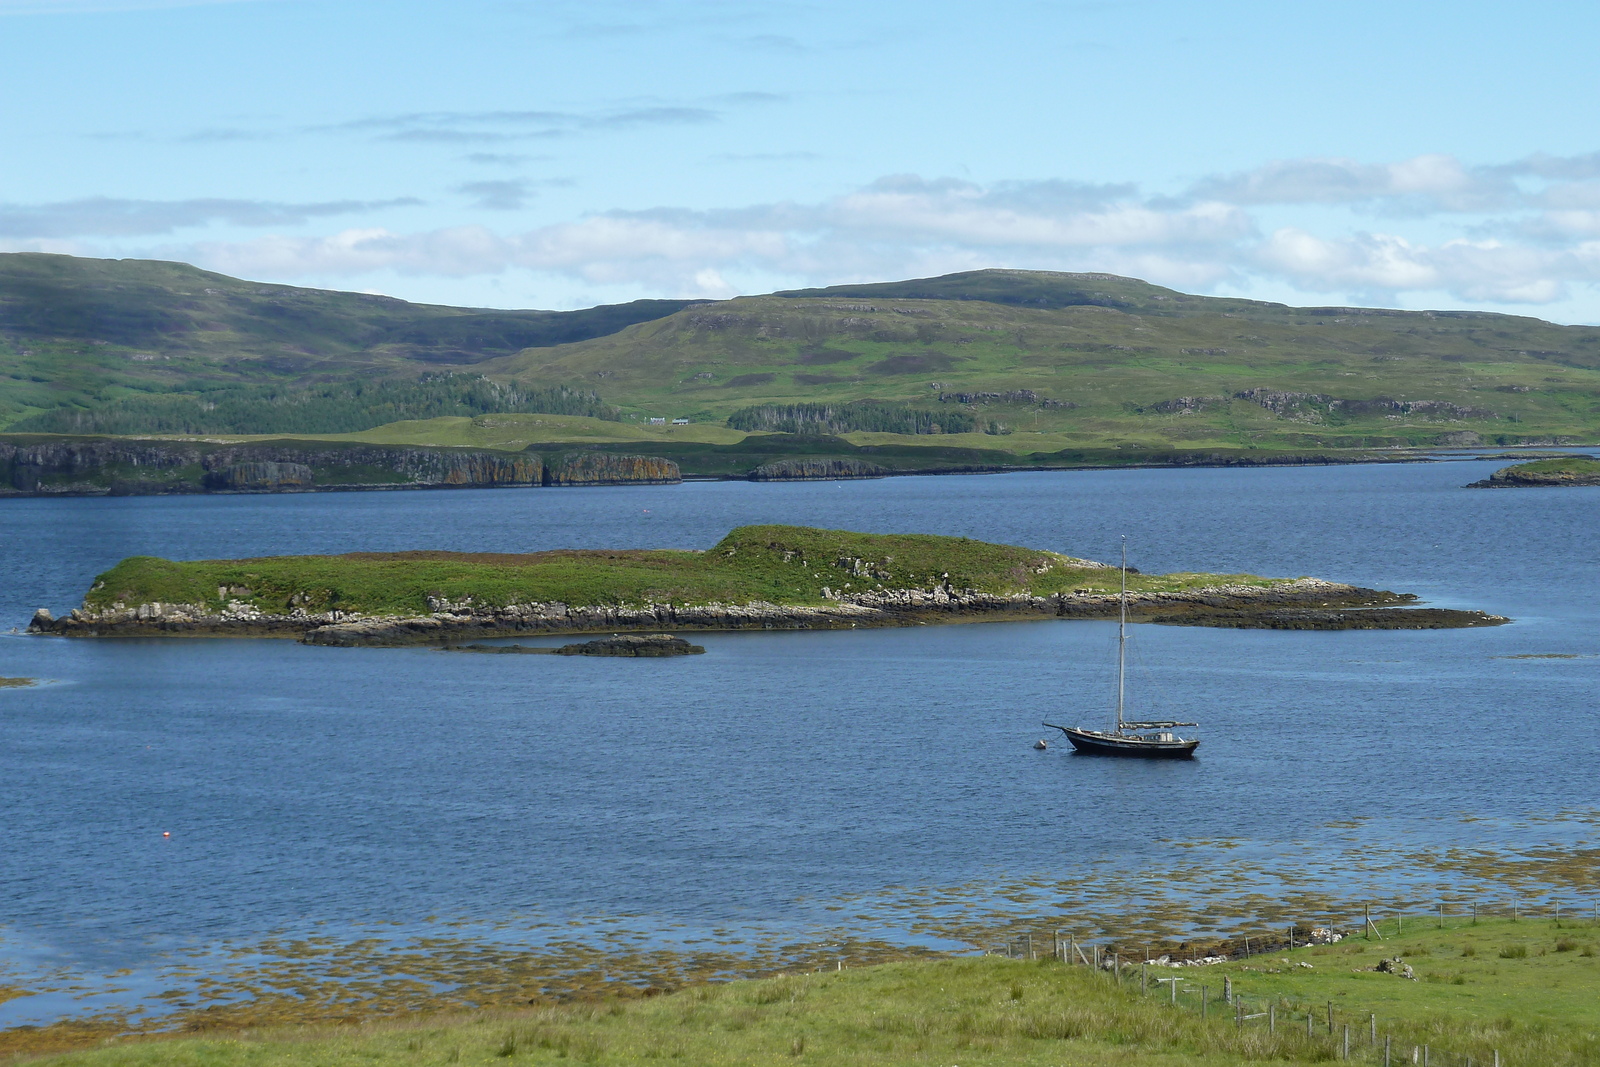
column 757, row 577
column 1563, row 470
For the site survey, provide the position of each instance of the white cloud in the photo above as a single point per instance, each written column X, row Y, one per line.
column 1421, row 184
column 1538, row 244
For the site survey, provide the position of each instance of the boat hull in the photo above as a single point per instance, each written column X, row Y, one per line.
column 1098, row 744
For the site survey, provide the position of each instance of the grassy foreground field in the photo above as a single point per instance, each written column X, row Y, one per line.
column 1525, row 990
column 774, row 564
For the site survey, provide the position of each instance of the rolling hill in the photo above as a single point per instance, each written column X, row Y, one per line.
column 81, row 333
column 1014, row 362
column 1102, row 359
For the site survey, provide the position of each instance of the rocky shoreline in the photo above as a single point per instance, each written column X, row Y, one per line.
column 1304, row 604
column 1512, row 478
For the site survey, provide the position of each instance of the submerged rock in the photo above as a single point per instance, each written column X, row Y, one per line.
column 632, row 645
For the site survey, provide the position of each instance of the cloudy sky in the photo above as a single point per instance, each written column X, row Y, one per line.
column 560, row 154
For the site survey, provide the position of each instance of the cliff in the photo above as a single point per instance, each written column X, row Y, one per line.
column 760, row 577
column 48, row 466
column 606, row 468
column 816, row 470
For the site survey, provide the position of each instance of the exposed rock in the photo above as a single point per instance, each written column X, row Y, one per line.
column 633, row 645
column 1013, row 396
column 42, row 623
column 261, row 476
column 607, row 468
column 795, row 470
column 1396, row 966
column 1306, row 603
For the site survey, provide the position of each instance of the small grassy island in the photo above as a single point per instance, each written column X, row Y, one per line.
column 1566, row 470
column 757, row 577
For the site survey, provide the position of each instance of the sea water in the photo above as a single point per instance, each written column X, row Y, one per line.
column 322, row 787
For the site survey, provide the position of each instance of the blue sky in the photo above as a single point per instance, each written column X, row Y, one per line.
column 558, row 154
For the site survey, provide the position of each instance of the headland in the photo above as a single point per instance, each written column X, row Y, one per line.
column 1542, row 473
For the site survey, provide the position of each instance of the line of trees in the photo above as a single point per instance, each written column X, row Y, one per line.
column 858, row 415
column 339, row 408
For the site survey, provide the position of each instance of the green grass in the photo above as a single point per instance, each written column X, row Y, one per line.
column 1537, row 1009
column 1567, row 465
column 776, row 564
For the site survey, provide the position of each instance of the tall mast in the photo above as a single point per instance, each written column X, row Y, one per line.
column 1122, row 632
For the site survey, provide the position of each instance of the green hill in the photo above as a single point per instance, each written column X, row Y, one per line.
column 1105, row 360
column 80, row 333
column 1043, row 362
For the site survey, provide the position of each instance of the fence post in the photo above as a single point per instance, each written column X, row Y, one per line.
column 1144, row 978
column 1205, row 1000
column 1441, row 915
column 1386, row 1042
column 1347, row 1041
column 1272, row 1018
column 1311, row 1020
column 1227, row 990
column 1238, row 1012
column 1330, row 1016
column 1374, row 1020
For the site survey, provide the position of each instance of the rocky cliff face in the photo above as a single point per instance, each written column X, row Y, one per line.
column 138, row 467
column 269, row 476
column 605, row 468
column 815, row 470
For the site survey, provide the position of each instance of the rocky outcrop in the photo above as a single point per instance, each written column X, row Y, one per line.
column 606, row 468
column 633, row 645
column 1307, row 603
column 260, row 476
column 1521, row 477
column 817, row 470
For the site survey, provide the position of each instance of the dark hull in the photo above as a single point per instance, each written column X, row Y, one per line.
column 1098, row 744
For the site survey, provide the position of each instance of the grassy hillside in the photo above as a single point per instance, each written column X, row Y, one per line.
column 1104, row 360
column 1524, row 991
column 1034, row 361
column 776, row 564
column 82, row 332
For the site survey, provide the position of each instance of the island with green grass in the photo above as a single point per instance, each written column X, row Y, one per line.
column 757, row 577
column 1566, row 470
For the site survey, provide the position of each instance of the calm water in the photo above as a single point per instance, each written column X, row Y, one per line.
column 306, row 785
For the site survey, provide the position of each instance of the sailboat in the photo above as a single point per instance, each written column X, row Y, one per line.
column 1144, row 740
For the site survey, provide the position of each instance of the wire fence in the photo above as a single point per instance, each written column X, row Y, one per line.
column 1160, row 970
